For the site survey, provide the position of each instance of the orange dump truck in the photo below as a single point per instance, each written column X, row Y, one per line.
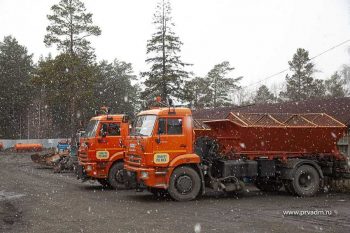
column 28, row 147
column 165, row 154
column 101, row 150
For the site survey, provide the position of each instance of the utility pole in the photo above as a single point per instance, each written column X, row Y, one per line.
column 39, row 128
column 20, row 126
column 28, row 125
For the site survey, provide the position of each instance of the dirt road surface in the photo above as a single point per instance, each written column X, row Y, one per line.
column 34, row 199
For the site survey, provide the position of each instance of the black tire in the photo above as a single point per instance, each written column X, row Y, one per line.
column 306, row 181
column 116, row 176
column 185, row 184
column 268, row 185
column 288, row 186
column 157, row 192
column 104, row 183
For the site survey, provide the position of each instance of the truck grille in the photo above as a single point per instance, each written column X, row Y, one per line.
column 83, row 157
column 134, row 159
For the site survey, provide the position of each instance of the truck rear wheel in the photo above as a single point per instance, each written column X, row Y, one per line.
column 116, row 176
column 306, row 181
column 185, row 184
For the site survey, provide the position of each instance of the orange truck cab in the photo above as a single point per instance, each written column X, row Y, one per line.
column 160, row 143
column 166, row 155
column 101, row 150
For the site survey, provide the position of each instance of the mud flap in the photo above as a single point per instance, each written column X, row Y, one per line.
column 201, row 175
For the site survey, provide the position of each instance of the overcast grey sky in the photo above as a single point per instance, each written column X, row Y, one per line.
column 257, row 37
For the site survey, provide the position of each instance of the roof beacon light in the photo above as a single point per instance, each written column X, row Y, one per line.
column 170, row 103
column 158, row 99
column 105, row 110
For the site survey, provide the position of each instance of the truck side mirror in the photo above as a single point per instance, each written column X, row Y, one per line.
column 158, row 139
column 125, row 119
column 81, row 133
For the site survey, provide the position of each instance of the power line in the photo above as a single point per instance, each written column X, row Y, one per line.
column 326, row 51
column 282, row 71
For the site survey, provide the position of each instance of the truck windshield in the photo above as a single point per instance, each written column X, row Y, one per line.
column 91, row 129
column 143, row 125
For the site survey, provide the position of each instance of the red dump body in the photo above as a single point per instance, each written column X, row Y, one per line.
column 276, row 135
column 28, row 147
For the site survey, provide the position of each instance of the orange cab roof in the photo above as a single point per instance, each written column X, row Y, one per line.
column 104, row 117
column 165, row 112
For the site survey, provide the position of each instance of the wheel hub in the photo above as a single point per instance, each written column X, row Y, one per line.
column 119, row 177
column 305, row 180
column 184, row 184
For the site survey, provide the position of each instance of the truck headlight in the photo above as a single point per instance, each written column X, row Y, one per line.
column 144, row 175
column 88, row 168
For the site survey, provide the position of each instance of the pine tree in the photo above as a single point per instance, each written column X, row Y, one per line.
column 16, row 66
column 197, row 93
column 167, row 74
column 263, row 95
column 220, row 86
column 301, row 85
column 318, row 89
column 67, row 82
column 335, row 86
column 69, row 28
column 114, row 88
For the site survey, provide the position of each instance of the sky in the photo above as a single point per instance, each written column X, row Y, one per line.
column 257, row 37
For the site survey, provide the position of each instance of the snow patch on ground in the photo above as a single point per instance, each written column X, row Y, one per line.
column 4, row 196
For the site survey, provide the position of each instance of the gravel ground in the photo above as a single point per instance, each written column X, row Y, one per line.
column 34, row 199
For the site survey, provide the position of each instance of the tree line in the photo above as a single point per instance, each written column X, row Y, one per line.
column 56, row 96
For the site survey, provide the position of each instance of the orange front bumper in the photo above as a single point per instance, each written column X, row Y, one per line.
column 150, row 177
column 98, row 170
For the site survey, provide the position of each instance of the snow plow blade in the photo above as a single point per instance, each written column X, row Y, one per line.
column 47, row 159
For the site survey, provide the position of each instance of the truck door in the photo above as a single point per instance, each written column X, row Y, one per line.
column 110, row 144
column 170, row 139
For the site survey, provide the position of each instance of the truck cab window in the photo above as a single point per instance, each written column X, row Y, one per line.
column 162, row 126
column 91, row 129
column 174, row 126
column 113, row 129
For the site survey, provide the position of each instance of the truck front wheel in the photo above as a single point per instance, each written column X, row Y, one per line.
column 306, row 181
column 116, row 176
column 185, row 184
